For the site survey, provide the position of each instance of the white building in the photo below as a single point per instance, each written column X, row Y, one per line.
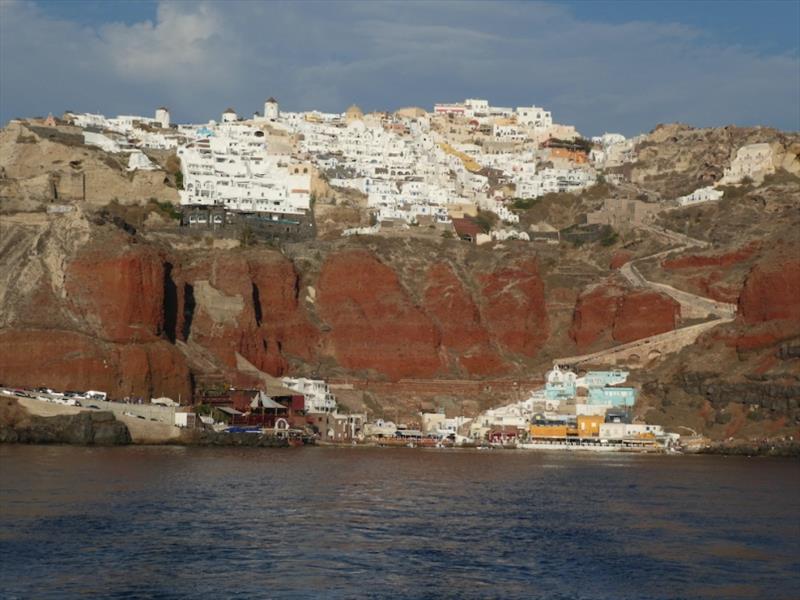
column 317, row 394
column 753, row 161
column 229, row 116
column 621, row 431
column 534, row 116
column 704, row 194
column 162, row 116
column 271, row 110
column 139, row 161
column 232, row 168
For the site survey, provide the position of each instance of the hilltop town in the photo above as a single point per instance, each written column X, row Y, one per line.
column 472, row 273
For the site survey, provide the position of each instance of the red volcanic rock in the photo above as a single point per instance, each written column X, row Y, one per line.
column 708, row 286
column 693, row 261
column 452, row 308
column 609, row 312
column 262, row 318
column 121, row 296
column 68, row 360
column 772, row 292
column 152, row 370
column 374, row 324
column 769, row 305
column 645, row 313
column 513, row 307
column 594, row 315
column 281, row 315
column 620, row 258
column 59, row 359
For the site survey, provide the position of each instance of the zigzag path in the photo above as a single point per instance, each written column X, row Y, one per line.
column 692, row 306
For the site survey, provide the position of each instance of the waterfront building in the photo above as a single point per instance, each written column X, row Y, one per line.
column 317, row 394
column 589, row 425
column 380, row 429
column 621, row 431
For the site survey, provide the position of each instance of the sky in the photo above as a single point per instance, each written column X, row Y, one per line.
column 601, row 66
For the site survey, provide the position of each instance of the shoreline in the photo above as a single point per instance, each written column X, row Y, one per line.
column 26, row 421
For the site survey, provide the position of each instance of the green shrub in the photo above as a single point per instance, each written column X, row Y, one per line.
column 486, row 219
column 524, row 203
column 610, row 238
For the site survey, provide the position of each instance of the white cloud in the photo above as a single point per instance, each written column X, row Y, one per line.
column 179, row 44
column 201, row 57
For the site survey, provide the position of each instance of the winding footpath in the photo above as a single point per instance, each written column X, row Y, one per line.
column 647, row 349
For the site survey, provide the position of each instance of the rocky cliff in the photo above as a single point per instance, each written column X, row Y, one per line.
column 134, row 316
column 90, row 302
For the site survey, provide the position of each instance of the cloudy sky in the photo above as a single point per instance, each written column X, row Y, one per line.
column 602, row 66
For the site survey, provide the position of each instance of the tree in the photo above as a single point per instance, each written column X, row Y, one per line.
column 486, row 219
column 246, row 236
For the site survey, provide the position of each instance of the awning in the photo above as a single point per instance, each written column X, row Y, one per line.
column 229, row 411
column 265, row 402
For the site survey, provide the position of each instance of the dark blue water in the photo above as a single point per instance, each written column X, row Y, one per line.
column 377, row 523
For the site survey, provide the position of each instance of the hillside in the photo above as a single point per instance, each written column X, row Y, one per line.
column 114, row 298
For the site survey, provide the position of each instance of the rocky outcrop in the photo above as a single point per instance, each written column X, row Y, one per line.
column 247, row 303
column 769, row 304
column 610, row 313
column 84, row 429
column 676, row 159
column 772, row 293
column 53, row 164
column 645, row 313
column 120, row 296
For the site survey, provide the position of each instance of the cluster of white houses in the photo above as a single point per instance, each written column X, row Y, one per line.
column 413, row 166
column 591, row 411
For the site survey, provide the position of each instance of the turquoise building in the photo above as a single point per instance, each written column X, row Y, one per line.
column 604, row 378
column 561, row 385
column 615, row 396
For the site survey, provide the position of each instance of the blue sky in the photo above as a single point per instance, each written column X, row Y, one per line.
column 603, row 66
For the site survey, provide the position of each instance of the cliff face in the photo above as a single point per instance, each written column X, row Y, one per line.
column 131, row 317
column 125, row 315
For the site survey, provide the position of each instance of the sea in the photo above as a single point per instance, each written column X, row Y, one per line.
column 323, row 522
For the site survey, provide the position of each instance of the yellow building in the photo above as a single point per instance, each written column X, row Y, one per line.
column 552, row 431
column 589, row 425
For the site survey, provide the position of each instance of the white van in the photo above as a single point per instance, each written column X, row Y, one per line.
column 95, row 395
column 163, row 401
